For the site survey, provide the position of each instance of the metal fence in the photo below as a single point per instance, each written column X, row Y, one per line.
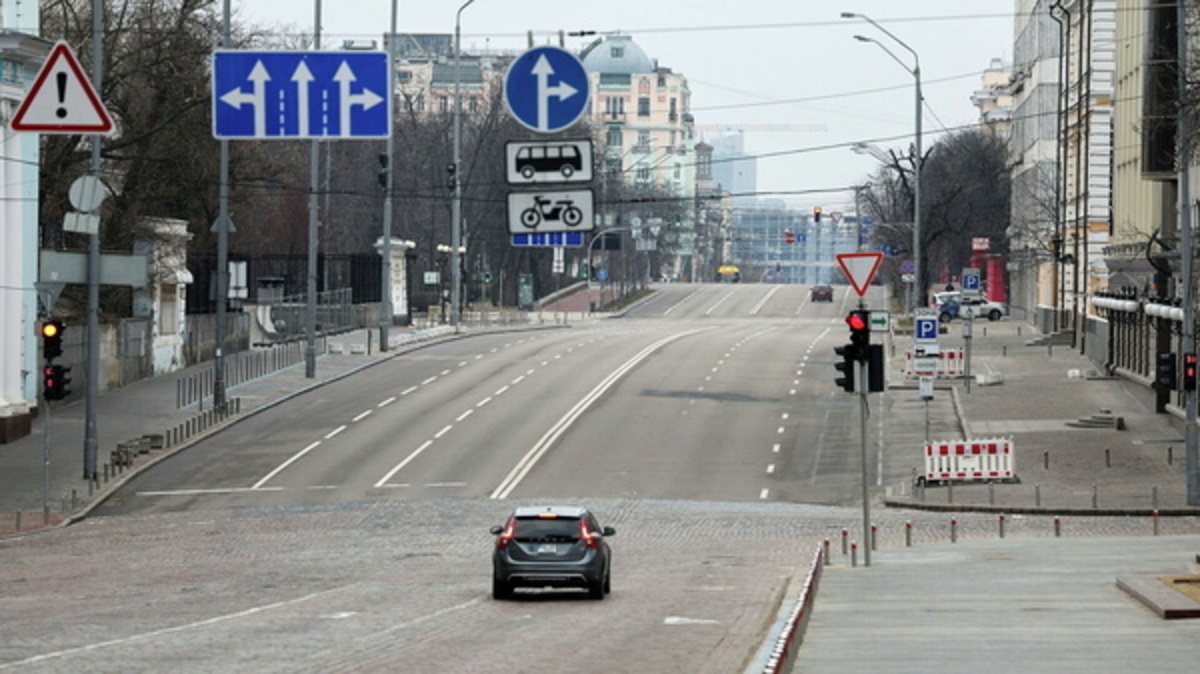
column 197, row 387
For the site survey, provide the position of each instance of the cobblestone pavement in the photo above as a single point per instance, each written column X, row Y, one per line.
column 403, row 586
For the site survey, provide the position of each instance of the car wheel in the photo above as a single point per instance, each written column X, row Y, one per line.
column 596, row 589
column 500, row 589
column 945, row 317
column 994, row 315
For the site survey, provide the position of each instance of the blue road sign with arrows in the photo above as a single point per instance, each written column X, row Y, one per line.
column 546, row 89
column 290, row 95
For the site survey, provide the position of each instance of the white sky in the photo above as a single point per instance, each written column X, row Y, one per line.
column 745, row 53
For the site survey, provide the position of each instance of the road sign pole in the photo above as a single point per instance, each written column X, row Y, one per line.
column 90, row 434
column 314, row 180
column 863, row 413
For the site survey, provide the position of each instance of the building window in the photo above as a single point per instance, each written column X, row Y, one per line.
column 678, row 171
column 614, row 107
column 644, row 86
column 644, row 106
column 643, row 138
column 643, row 174
column 612, row 166
column 168, row 323
column 614, row 137
column 473, row 105
column 674, row 113
column 443, row 104
column 617, row 52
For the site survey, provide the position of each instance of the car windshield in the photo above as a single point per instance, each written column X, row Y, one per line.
column 546, row 528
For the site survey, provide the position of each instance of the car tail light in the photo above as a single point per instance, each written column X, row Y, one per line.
column 506, row 536
column 591, row 539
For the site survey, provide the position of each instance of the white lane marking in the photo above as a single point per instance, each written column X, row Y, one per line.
column 362, row 416
column 463, row 364
column 545, row 363
column 501, row 390
column 792, row 392
column 278, row 469
column 408, row 390
column 719, row 302
column 685, row 298
column 387, row 402
column 479, row 357
column 464, row 415
column 445, row 430
column 775, row 449
column 781, row 430
column 171, row 630
column 785, row 416
column 334, row 432
column 518, row 380
column 763, row 494
column 387, row 478
column 530, row 372
column 483, row 402
column 763, row 301
column 677, row 620
column 445, row 484
column 543, row 445
column 201, row 492
column 445, row 372
column 770, row 468
column 429, row 381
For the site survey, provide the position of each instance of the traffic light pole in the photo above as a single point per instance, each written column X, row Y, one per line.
column 864, row 412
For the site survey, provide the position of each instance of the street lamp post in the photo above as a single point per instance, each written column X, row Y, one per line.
column 917, row 159
column 388, row 311
column 456, row 205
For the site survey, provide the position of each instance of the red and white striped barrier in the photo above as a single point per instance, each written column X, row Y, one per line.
column 951, row 364
column 969, row 461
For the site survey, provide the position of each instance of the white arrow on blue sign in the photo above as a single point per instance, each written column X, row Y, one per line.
column 546, row 89
column 289, row 95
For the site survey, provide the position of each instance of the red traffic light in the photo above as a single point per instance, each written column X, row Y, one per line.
column 857, row 320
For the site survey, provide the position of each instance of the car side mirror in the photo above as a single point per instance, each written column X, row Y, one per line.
column 496, row 531
column 609, row 531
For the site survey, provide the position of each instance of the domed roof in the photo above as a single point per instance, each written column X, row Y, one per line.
column 617, row 54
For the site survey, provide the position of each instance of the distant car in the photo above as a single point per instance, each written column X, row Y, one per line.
column 967, row 307
column 552, row 546
column 822, row 293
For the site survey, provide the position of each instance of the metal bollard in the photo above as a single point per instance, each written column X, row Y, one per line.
column 1057, row 527
column 991, row 494
column 845, row 541
column 1107, row 458
column 1004, row 350
column 949, row 492
column 1046, row 460
column 1154, row 497
column 853, row 554
column 874, row 537
column 1095, row 497
column 1170, row 455
column 74, row 499
column 953, row 531
column 908, row 534
column 1037, row 495
column 1155, row 518
column 827, row 552
column 1001, row 522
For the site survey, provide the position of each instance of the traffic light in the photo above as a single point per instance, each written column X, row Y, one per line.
column 859, row 321
column 54, row 381
column 452, row 175
column 1166, row 371
column 1189, row 372
column 875, row 369
column 383, row 170
column 52, row 334
column 816, row 213
column 849, row 357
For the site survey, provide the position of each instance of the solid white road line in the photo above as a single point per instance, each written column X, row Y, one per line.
column 387, row 478
column 278, row 469
column 334, row 432
column 543, row 445
column 362, row 416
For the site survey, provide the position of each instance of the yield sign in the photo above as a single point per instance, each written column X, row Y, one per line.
column 860, row 269
column 62, row 100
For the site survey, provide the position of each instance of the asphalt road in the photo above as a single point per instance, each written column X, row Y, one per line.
column 347, row 528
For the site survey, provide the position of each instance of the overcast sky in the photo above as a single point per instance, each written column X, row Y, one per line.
column 746, row 62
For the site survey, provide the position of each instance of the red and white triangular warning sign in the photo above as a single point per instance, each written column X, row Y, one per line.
column 62, row 99
column 860, row 269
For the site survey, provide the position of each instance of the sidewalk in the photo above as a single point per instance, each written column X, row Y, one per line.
column 1044, row 398
column 149, row 407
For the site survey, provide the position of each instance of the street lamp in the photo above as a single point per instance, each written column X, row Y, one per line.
column 456, row 204
column 915, row 70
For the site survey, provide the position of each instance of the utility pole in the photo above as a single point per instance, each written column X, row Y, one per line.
column 1186, row 239
column 314, row 181
column 90, row 435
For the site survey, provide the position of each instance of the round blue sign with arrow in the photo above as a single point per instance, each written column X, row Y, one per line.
column 546, row 89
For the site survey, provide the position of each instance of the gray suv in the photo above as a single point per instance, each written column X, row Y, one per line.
column 551, row 546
